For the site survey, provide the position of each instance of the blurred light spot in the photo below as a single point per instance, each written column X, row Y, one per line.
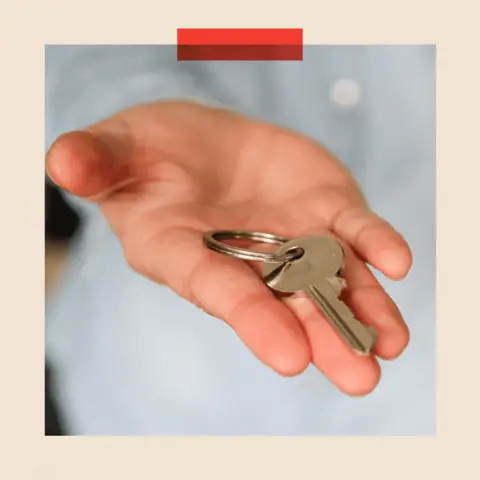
column 345, row 92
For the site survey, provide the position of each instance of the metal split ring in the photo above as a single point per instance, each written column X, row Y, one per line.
column 214, row 241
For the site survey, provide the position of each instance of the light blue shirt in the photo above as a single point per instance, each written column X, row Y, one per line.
column 132, row 358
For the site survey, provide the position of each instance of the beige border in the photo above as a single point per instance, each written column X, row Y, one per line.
column 27, row 454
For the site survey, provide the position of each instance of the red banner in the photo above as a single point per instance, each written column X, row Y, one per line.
column 243, row 44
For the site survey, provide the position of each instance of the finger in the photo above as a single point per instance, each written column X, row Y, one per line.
column 375, row 240
column 373, row 306
column 351, row 373
column 86, row 166
column 228, row 289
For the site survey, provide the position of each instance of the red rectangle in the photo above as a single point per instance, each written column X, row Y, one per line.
column 243, row 44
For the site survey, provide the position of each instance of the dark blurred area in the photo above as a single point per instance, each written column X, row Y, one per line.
column 61, row 223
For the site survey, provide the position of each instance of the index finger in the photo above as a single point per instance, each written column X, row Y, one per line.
column 228, row 289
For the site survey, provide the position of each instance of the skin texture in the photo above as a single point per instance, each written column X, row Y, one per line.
column 164, row 173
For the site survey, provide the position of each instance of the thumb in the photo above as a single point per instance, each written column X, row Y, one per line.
column 85, row 165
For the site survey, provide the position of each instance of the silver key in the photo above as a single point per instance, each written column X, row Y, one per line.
column 316, row 272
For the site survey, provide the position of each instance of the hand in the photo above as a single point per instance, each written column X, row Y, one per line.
column 164, row 173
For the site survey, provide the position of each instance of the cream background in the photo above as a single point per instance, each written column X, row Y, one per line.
column 26, row 453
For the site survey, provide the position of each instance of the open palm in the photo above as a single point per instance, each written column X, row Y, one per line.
column 165, row 173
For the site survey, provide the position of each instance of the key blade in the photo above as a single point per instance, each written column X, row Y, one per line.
column 360, row 337
column 316, row 273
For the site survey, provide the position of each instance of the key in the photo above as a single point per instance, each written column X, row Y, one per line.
column 316, row 272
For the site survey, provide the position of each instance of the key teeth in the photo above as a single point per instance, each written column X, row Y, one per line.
column 338, row 284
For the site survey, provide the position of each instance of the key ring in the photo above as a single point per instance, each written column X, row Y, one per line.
column 213, row 240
